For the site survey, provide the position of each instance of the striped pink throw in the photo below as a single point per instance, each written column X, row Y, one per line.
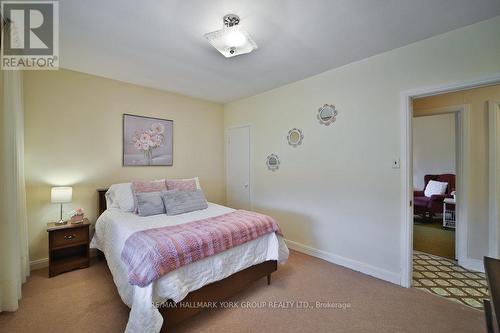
column 150, row 254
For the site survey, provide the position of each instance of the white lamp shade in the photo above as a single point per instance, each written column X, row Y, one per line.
column 61, row 194
column 231, row 41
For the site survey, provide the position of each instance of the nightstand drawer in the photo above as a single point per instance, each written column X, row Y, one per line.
column 69, row 236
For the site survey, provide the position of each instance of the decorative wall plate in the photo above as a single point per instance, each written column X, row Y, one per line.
column 326, row 114
column 295, row 137
column 273, row 162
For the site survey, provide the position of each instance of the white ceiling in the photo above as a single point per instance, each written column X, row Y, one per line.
column 160, row 43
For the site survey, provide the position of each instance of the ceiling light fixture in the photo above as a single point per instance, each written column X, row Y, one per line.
column 231, row 40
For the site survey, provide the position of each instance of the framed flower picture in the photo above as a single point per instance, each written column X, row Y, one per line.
column 147, row 141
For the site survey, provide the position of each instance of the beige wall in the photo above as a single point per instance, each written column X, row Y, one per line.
column 73, row 133
column 433, row 147
column 2, row 147
column 478, row 196
column 337, row 195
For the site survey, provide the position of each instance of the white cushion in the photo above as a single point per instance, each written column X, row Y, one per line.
column 120, row 196
column 433, row 187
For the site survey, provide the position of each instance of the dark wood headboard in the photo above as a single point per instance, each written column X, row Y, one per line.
column 101, row 203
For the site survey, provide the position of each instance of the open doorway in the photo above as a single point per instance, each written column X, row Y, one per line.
column 460, row 217
column 435, row 143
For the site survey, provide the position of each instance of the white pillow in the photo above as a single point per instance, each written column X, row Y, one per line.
column 120, row 196
column 433, row 187
column 110, row 203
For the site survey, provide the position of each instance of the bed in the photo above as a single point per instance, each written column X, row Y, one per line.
column 154, row 307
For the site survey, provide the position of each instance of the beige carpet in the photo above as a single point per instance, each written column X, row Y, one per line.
column 87, row 301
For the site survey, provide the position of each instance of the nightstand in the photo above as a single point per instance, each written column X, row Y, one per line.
column 68, row 247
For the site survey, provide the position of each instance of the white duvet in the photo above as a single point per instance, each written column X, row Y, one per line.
column 113, row 228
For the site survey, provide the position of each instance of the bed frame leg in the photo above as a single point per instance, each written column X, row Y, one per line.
column 269, row 279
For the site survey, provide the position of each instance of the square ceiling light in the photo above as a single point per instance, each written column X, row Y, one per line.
column 231, row 40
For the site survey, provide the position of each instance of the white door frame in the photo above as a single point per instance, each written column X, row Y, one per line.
column 226, row 164
column 494, row 179
column 407, row 163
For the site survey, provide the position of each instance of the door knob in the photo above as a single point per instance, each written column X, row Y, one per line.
column 245, row 186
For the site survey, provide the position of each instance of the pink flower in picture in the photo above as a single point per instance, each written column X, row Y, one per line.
column 149, row 139
column 145, row 137
column 158, row 128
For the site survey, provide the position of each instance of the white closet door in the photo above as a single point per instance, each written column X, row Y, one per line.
column 238, row 168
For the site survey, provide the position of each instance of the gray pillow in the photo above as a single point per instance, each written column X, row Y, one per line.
column 179, row 202
column 150, row 203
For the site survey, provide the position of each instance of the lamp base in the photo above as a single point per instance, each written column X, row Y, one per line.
column 61, row 221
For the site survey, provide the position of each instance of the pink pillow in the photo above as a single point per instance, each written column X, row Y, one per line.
column 186, row 185
column 147, row 186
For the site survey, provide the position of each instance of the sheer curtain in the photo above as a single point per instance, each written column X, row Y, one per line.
column 14, row 256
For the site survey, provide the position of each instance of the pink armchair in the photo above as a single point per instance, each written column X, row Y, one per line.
column 429, row 206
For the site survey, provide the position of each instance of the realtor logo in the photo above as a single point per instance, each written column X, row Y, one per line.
column 30, row 36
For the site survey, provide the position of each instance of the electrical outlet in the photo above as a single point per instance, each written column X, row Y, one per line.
column 395, row 163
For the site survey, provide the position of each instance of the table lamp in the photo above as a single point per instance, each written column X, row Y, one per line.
column 61, row 195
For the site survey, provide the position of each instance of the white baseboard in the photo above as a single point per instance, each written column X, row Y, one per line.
column 39, row 263
column 364, row 268
column 472, row 264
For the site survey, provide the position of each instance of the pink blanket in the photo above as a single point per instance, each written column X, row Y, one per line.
column 152, row 253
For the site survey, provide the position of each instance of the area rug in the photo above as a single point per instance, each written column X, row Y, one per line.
column 443, row 277
column 429, row 236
